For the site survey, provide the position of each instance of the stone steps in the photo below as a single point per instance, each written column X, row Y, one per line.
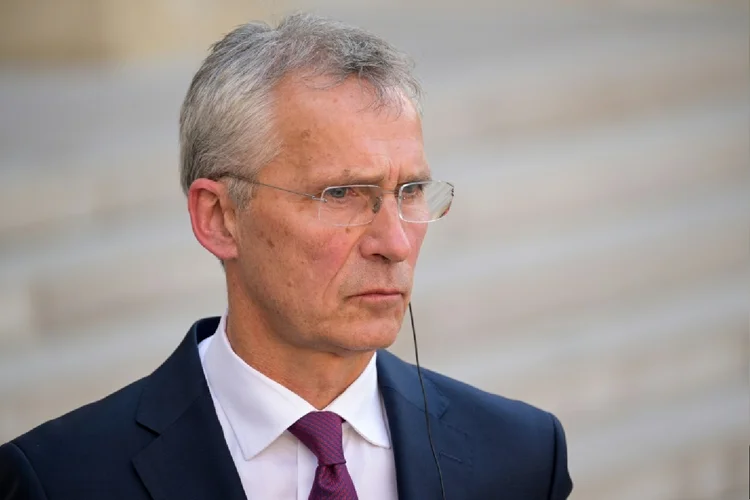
column 557, row 272
column 598, row 364
column 73, row 366
column 704, row 145
column 623, row 325
column 617, row 75
column 613, row 329
column 624, row 254
column 73, row 372
column 624, row 164
column 683, row 450
column 519, row 362
column 139, row 259
column 602, row 74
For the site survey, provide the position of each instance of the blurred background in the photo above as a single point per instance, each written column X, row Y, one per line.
column 595, row 262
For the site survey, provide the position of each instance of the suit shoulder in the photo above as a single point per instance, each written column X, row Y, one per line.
column 17, row 477
column 86, row 453
column 482, row 406
column 525, row 442
column 528, row 441
column 97, row 422
column 500, row 434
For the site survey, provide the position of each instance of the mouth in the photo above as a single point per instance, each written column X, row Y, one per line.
column 380, row 291
column 380, row 296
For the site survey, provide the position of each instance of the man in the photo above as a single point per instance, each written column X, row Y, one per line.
column 303, row 164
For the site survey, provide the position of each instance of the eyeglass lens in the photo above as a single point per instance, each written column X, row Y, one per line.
column 358, row 204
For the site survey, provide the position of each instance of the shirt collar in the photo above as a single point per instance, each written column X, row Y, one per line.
column 260, row 409
column 362, row 407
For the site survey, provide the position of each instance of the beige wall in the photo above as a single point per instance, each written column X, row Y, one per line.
column 117, row 30
column 84, row 30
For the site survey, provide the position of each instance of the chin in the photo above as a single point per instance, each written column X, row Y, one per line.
column 369, row 336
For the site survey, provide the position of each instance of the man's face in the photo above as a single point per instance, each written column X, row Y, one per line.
column 317, row 286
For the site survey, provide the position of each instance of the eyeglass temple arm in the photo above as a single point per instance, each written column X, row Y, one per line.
column 256, row 183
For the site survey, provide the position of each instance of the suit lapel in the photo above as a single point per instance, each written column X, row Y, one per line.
column 188, row 457
column 416, row 473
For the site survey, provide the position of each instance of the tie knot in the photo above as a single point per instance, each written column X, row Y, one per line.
column 320, row 431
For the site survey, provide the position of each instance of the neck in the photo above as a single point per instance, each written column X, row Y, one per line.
column 316, row 376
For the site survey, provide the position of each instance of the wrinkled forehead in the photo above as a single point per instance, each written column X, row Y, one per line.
column 339, row 133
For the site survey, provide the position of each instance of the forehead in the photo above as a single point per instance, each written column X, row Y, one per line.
column 340, row 132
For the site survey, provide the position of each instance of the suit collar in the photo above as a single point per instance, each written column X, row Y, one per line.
column 396, row 375
column 416, row 472
column 177, row 383
column 188, row 458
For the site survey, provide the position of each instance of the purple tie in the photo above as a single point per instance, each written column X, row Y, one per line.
column 320, row 431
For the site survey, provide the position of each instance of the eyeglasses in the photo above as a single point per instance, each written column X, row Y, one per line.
column 358, row 204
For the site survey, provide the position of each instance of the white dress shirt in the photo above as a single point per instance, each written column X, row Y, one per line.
column 255, row 413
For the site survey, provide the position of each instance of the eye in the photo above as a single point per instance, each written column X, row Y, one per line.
column 412, row 189
column 345, row 193
column 338, row 192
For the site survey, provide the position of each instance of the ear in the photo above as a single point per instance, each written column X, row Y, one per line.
column 213, row 218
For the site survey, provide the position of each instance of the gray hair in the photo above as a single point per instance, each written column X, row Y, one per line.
column 226, row 122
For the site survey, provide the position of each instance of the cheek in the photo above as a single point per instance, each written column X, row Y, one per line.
column 416, row 237
column 325, row 255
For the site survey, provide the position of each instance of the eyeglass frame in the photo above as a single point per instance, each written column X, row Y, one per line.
column 395, row 192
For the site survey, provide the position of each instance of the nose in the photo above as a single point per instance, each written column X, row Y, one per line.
column 386, row 236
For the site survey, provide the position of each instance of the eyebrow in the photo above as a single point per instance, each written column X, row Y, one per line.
column 349, row 177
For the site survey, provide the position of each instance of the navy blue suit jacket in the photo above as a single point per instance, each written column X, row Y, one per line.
column 159, row 439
